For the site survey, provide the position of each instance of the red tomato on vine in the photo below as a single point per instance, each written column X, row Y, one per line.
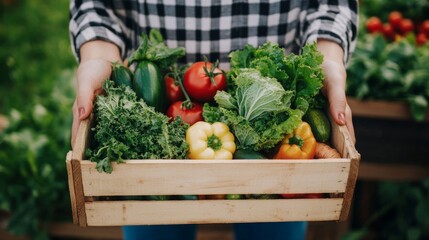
column 188, row 111
column 202, row 80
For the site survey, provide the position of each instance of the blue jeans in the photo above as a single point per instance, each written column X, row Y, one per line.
column 243, row 231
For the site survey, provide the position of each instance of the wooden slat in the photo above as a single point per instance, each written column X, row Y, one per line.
column 381, row 109
column 392, row 172
column 79, row 196
column 81, row 142
column 71, row 188
column 211, row 211
column 70, row 231
column 181, row 177
column 342, row 141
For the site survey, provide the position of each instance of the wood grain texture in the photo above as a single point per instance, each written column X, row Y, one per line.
column 392, row 172
column 342, row 141
column 182, row 177
column 381, row 109
column 71, row 188
column 79, row 196
column 211, row 211
column 82, row 139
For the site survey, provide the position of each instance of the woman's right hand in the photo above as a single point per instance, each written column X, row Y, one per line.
column 95, row 67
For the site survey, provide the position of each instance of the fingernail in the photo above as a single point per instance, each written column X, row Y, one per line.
column 342, row 118
column 81, row 112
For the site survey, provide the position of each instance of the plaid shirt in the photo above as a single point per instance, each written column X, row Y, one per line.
column 214, row 28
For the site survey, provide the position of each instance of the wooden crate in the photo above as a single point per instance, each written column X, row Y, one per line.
column 89, row 188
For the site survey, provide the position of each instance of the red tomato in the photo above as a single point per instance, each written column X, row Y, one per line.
column 406, row 26
column 424, row 28
column 174, row 93
column 374, row 24
column 395, row 19
column 421, row 39
column 198, row 81
column 388, row 31
column 188, row 115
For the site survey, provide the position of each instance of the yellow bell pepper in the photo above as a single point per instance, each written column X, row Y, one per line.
column 210, row 141
column 300, row 144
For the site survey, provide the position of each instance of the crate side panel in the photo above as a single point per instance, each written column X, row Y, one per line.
column 181, row 177
column 119, row 213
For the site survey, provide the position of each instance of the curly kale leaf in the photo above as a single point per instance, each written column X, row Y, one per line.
column 127, row 128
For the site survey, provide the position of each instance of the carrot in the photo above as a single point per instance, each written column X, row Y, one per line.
column 325, row 151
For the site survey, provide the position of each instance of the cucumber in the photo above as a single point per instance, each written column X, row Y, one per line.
column 149, row 85
column 247, row 154
column 121, row 75
column 319, row 123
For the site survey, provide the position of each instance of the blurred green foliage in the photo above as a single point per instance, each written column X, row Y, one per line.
column 35, row 48
column 36, row 95
column 414, row 9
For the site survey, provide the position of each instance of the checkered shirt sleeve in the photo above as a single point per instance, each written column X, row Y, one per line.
column 214, row 28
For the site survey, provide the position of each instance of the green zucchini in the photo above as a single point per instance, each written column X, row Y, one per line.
column 149, row 85
column 247, row 154
column 121, row 75
column 319, row 123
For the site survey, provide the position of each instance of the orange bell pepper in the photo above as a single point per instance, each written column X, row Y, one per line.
column 300, row 144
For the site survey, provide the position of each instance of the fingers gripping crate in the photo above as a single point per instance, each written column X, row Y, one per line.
column 96, row 197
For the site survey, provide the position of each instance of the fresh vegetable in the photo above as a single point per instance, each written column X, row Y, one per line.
column 319, row 123
column 121, row 75
column 395, row 19
column 248, row 154
column 202, row 80
column 325, row 151
column 174, row 83
column 394, row 71
column 149, row 85
column 270, row 93
column 210, row 141
column 399, row 27
column 122, row 121
column 424, row 28
column 406, row 26
column 421, row 39
column 189, row 114
column 174, row 93
column 301, row 74
column 154, row 50
column 389, row 32
column 258, row 112
column 374, row 24
column 300, row 144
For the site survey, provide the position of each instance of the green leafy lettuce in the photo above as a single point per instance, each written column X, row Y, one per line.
column 268, row 93
column 154, row 49
column 258, row 112
column 299, row 73
column 127, row 128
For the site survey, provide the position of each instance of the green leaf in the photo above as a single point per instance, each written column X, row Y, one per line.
column 418, row 107
column 355, row 235
column 414, row 234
